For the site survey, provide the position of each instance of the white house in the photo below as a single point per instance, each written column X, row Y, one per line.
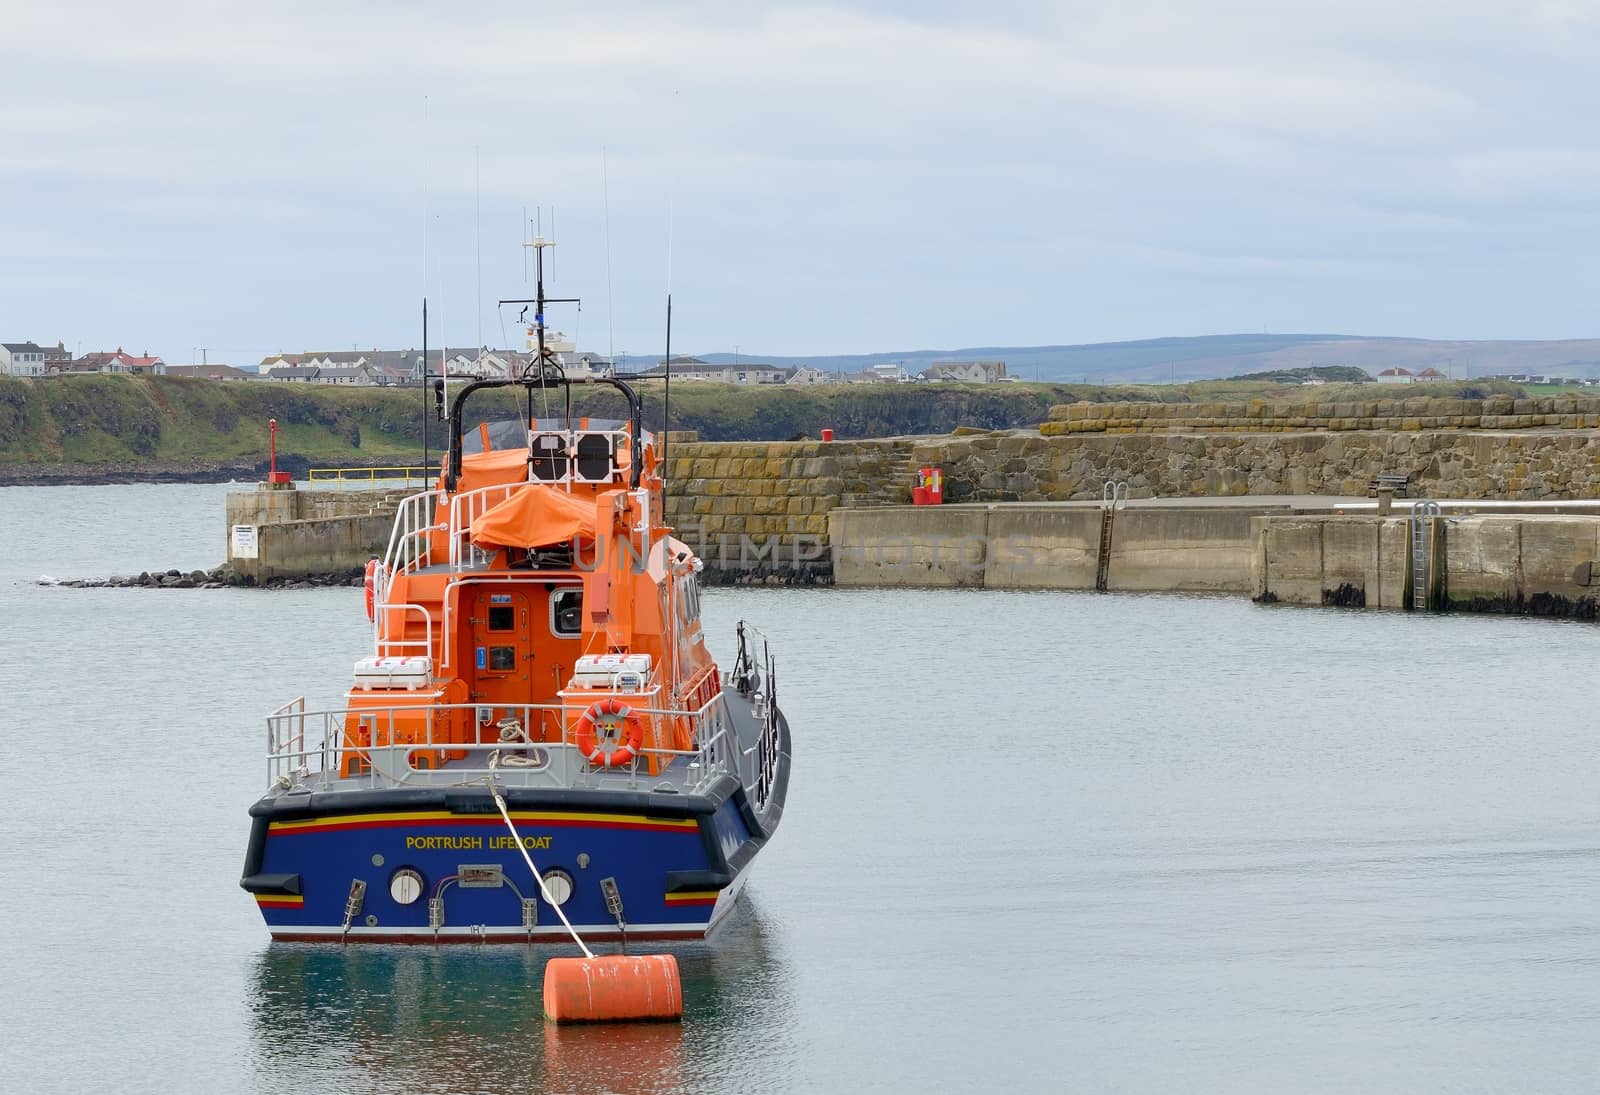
column 748, row 373
column 385, row 367
column 354, row 375
column 966, row 372
column 1396, row 376
column 482, row 365
column 685, row 368
column 294, row 374
column 589, row 366
column 21, row 359
column 892, row 373
column 756, row 374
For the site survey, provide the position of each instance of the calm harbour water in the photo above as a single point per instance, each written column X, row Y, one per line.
column 1040, row 842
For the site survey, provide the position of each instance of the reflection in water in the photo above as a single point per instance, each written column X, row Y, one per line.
column 465, row 1018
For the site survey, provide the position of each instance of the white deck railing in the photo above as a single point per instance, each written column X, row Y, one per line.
column 298, row 762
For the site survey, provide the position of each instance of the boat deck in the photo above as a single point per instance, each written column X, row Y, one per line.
column 728, row 744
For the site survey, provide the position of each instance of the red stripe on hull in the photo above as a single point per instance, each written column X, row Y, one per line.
column 495, row 822
column 693, row 931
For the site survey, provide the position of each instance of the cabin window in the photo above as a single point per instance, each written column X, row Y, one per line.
column 502, row 658
column 689, row 599
column 594, row 458
column 547, row 457
column 502, row 618
column 566, row 612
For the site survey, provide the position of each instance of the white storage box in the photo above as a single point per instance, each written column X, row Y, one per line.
column 409, row 673
column 614, row 672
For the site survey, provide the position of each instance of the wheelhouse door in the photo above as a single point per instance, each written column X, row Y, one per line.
column 503, row 656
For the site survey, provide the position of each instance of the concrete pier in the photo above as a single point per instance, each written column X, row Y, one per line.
column 1521, row 558
column 276, row 533
column 1159, row 548
column 1543, row 564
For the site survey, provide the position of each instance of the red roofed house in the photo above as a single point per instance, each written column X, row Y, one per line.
column 1396, row 376
column 1430, row 374
column 119, row 362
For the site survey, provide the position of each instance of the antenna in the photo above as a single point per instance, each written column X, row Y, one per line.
column 477, row 196
column 605, row 183
column 425, row 460
column 444, row 333
column 666, row 387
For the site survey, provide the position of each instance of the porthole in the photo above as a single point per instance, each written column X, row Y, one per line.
column 558, row 886
column 405, row 886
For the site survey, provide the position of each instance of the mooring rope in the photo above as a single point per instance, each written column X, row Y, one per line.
column 537, row 877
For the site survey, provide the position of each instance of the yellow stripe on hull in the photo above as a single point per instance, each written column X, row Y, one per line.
column 425, row 816
column 693, row 897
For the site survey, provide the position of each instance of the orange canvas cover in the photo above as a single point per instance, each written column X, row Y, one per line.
column 492, row 469
column 535, row 516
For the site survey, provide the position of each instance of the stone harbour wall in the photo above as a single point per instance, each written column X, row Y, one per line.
column 1442, row 463
column 1501, row 412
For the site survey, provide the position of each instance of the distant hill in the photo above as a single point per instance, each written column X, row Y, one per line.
column 1206, row 357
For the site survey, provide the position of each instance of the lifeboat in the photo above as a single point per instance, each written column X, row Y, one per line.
column 536, row 635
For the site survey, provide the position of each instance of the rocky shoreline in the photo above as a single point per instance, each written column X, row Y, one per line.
column 95, row 475
column 247, row 470
column 221, row 577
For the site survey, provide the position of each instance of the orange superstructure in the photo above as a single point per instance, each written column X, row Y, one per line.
column 534, row 583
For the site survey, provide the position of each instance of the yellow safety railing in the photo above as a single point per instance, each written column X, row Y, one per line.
column 341, row 476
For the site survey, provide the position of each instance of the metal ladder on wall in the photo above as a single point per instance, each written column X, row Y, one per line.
column 1423, row 513
column 1113, row 496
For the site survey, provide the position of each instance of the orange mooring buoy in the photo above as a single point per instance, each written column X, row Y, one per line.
column 613, row 988
column 601, row 988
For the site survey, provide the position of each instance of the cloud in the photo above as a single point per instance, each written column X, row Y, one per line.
column 1306, row 156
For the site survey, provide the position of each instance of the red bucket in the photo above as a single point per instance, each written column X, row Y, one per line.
column 827, row 435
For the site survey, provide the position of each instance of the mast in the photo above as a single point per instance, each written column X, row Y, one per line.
column 666, row 403
column 539, row 245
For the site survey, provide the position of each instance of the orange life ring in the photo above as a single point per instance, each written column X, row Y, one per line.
column 614, row 710
column 370, row 584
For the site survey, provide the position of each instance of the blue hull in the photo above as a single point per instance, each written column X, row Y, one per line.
column 678, row 865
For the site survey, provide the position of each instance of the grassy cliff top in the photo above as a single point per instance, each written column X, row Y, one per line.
column 173, row 423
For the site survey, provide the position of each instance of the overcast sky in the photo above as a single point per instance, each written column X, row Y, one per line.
column 877, row 177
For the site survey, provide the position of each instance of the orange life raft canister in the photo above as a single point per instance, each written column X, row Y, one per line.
column 370, row 584
column 612, row 711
